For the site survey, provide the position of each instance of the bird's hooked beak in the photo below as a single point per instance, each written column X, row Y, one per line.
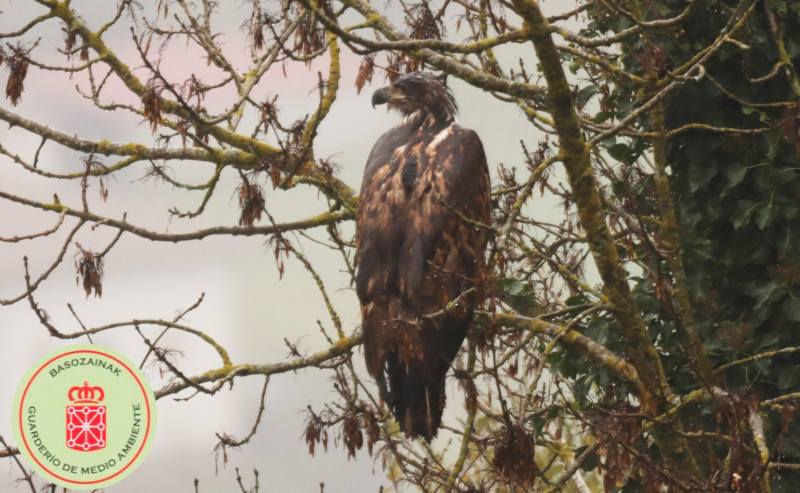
column 381, row 96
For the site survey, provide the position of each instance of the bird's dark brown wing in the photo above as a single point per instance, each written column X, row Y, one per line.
column 417, row 251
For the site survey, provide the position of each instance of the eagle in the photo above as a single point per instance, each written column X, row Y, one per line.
column 421, row 231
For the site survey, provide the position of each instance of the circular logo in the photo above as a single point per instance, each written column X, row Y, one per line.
column 84, row 417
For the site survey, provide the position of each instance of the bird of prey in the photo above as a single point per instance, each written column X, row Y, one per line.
column 420, row 237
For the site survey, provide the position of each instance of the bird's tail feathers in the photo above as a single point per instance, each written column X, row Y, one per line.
column 409, row 361
column 416, row 398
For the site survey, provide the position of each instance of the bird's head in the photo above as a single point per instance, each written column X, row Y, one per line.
column 418, row 91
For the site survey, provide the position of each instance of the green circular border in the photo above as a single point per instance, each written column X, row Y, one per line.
column 26, row 448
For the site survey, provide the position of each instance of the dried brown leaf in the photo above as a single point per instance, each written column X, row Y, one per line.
column 352, row 435
column 370, row 423
column 251, row 202
column 17, row 65
column 90, row 269
column 312, row 434
column 366, row 69
column 152, row 108
column 514, row 457
column 275, row 176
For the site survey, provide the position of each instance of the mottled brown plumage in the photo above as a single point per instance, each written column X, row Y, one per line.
column 425, row 191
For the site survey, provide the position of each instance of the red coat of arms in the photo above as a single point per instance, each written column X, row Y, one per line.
column 86, row 418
